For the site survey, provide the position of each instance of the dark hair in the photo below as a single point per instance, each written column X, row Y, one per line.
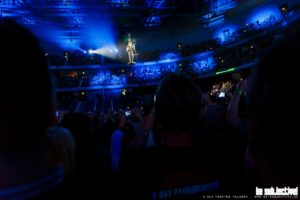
column 26, row 100
column 178, row 103
column 273, row 101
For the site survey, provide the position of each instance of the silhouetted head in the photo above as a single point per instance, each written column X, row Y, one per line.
column 26, row 102
column 273, row 106
column 178, row 103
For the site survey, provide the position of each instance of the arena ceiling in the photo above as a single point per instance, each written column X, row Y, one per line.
column 84, row 23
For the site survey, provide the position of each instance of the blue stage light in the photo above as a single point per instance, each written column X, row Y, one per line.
column 264, row 17
column 227, row 33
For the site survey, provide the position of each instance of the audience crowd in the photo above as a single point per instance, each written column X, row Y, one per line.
column 186, row 145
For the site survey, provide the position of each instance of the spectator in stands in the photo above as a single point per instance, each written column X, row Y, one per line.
column 273, row 101
column 60, row 150
column 233, row 111
column 116, row 142
column 146, row 137
column 120, row 140
column 135, row 118
column 129, row 133
column 80, row 126
column 26, row 112
column 177, row 162
column 105, row 133
column 227, row 144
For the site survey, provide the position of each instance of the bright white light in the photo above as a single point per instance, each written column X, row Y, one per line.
column 84, row 52
column 107, row 51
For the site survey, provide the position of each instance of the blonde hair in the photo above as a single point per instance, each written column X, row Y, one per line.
column 60, row 149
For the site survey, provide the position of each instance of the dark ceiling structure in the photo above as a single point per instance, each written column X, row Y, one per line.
column 69, row 23
column 126, row 15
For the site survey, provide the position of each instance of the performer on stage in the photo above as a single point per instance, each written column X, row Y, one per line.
column 130, row 48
